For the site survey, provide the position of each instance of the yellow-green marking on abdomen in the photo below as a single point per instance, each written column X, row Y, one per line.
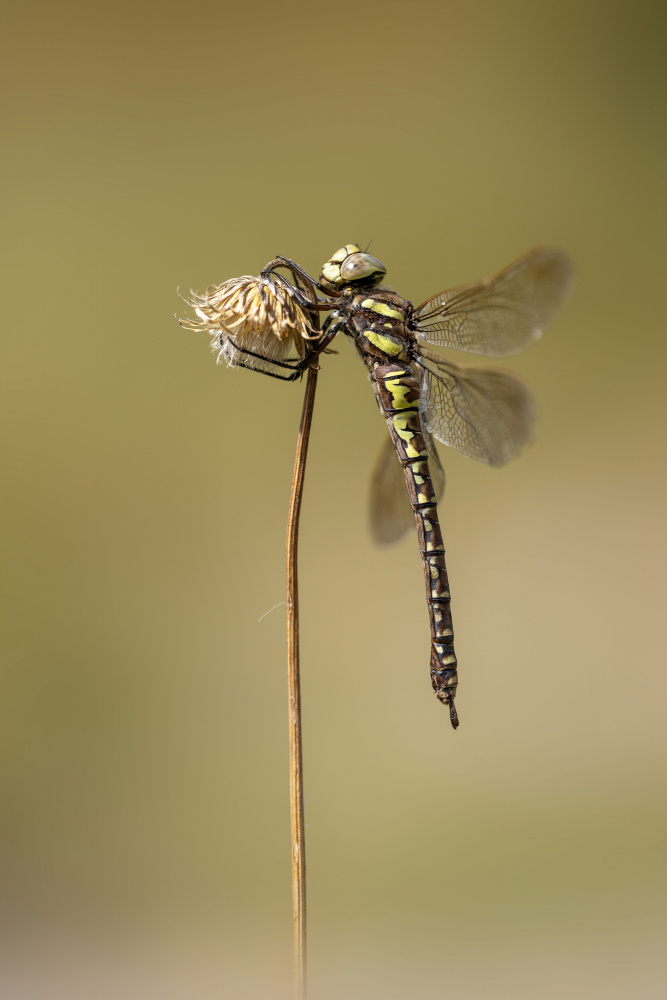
column 407, row 435
column 399, row 394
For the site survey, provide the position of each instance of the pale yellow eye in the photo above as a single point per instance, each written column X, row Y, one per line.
column 362, row 267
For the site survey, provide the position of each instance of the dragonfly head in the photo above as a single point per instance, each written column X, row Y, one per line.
column 351, row 266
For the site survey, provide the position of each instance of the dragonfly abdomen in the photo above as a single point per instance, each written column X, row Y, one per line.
column 397, row 391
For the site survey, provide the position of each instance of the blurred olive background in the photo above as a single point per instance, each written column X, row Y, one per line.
column 145, row 837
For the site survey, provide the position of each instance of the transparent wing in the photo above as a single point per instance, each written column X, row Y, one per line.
column 435, row 466
column 391, row 513
column 504, row 314
column 485, row 414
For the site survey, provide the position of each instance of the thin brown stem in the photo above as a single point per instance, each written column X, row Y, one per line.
column 304, row 284
column 294, row 691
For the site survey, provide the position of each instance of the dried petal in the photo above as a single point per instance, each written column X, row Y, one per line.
column 253, row 314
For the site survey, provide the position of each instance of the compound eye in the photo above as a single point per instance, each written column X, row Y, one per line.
column 362, row 267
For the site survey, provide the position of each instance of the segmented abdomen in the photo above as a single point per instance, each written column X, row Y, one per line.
column 397, row 391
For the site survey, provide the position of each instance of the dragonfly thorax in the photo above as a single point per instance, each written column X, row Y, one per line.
column 377, row 319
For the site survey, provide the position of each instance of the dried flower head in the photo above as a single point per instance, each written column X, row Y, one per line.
column 252, row 314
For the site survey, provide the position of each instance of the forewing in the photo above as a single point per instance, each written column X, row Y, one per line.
column 504, row 314
column 391, row 513
column 485, row 414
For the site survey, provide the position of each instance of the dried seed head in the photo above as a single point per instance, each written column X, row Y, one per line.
column 253, row 314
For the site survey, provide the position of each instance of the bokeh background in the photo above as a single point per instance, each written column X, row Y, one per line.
column 145, row 838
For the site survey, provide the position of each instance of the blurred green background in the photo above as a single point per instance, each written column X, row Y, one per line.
column 145, row 838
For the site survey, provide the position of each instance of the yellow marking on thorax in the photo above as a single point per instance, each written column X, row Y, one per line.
column 400, row 420
column 384, row 344
column 382, row 308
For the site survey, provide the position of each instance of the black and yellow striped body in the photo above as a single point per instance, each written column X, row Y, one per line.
column 272, row 324
column 378, row 322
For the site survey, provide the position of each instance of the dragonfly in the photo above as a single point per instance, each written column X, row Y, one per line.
column 483, row 413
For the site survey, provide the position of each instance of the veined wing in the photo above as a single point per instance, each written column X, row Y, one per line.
column 435, row 466
column 391, row 513
column 485, row 414
column 501, row 315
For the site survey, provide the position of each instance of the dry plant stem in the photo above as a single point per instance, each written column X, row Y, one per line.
column 294, row 690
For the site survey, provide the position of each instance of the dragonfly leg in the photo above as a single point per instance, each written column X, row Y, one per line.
column 281, row 261
column 283, row 378
column 296, row 366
